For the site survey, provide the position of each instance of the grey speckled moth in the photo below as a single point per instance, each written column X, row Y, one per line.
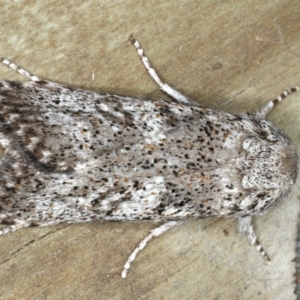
column 72, row 155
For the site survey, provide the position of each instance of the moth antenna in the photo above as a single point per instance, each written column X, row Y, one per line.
column 272, row 103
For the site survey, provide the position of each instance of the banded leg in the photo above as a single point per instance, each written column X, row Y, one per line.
column 155, row 232
column 163, row 86
column 20, row 70
column 271, row 104
column 245, row 225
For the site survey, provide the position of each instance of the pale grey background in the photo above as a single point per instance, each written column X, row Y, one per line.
column 232, row 55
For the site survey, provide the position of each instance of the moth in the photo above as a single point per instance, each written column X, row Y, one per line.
column 71, row 155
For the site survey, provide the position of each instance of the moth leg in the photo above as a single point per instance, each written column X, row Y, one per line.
column 165, row 87
column 20, row 70
column 245, row 225
column 153, row 233
column 271, row 104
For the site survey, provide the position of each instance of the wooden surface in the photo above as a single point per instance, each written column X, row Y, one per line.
column 230, row 55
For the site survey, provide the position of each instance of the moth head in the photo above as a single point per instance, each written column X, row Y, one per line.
column 269, row 161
